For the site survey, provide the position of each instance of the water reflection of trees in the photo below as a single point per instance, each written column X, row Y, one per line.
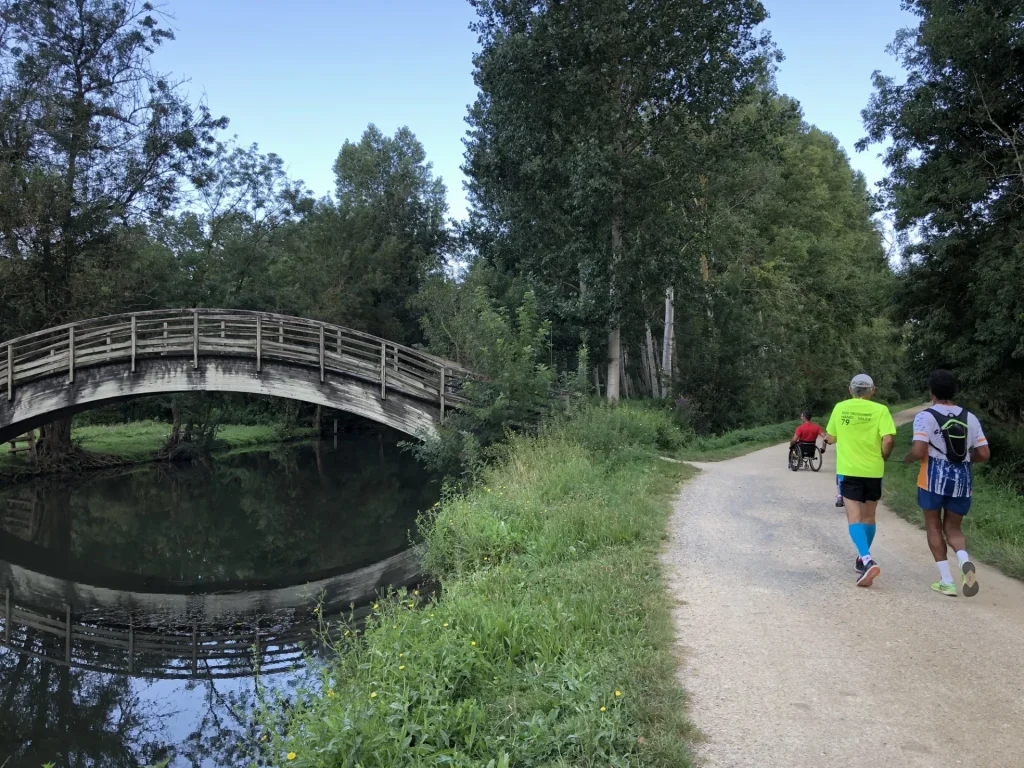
column 255, row 516
column 50, row 713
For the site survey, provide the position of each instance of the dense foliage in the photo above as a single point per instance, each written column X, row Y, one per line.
column 956, row 188
column 650, row 218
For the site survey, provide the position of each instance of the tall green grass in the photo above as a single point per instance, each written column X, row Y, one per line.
column 550, row 642
column 995, row 524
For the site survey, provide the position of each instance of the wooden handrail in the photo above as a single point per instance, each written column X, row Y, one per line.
column 211, row 333
column 162, row 654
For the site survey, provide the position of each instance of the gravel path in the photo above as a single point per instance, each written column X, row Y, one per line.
column 788, row 663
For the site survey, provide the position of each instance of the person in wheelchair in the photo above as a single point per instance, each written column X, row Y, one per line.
column 805, row 438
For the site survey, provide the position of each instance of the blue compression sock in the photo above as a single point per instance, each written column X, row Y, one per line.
column 859, row 534
column 870, row 527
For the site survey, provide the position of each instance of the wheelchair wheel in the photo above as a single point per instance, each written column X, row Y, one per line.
column 795, row 459
column 816, row 460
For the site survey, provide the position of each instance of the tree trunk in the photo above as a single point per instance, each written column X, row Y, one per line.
column 651, row 364
column 176, row 424
column 55, row 441
column 612, row 382
column 668, row 343
column 614, row 335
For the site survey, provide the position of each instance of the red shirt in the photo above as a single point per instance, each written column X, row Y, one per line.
column 808, row 432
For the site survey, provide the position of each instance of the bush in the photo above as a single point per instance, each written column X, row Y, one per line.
column 550, row 643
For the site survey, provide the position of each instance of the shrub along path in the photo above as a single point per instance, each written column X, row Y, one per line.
column 789, row 664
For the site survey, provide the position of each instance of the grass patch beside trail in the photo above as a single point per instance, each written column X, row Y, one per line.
column 995, row 524
column 551, row 640
column 740, row 442
column 138, row 441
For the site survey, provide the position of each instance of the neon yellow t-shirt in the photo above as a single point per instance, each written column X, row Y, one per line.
column 858, row 426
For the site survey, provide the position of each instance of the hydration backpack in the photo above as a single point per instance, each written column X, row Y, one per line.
column 954, row 431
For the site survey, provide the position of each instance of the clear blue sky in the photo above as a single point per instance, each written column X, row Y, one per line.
column 300, row 78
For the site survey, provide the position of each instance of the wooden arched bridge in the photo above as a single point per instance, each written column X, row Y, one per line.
column 63, row 370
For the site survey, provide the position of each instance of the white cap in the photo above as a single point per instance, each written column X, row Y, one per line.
column 862, row 381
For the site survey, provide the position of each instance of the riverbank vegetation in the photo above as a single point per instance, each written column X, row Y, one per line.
column 550, row 641
column 139, row 442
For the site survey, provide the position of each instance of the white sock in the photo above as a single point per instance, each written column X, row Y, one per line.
column 961, row 556
column 944, row 574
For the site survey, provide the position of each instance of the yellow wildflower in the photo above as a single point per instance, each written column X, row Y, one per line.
column 401, row 666
column 291, row 755
column 330, row 694
column 446, row 624
column 602, row 709
column 618, row 693
column 473, row 643
column 375, row 606
column 373, row 695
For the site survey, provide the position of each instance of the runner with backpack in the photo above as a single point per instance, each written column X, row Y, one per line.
column 947, row 439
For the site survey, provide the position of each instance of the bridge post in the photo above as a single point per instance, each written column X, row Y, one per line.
column 135, row 337
column 383, row 370
column 440, row 392
column 131, row 646
column 195, row 649
column 67, row 633
column 323, row 331
column 259, row 343
column 8, row 616
column 10, row 371
column 195, row 339
column 71, row 355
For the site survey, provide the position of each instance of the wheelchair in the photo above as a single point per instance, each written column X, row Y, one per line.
column 805, row 455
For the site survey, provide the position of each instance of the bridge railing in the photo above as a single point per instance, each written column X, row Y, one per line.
column 198, row 334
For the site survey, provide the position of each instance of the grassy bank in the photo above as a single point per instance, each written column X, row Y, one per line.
column 138, row 441
column 740, row 442
column 995, row 525
column 551, row 641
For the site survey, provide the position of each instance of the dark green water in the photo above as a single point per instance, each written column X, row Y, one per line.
column 156, row 562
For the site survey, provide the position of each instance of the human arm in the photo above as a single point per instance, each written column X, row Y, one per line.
column 888, row 443
column 919, row 447
column 830, row 430
column 918, row 450
column 980, row 452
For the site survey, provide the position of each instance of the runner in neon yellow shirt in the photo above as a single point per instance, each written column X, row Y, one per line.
column 863, row 432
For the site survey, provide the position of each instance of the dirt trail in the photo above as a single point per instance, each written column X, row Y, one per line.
column 788, row 663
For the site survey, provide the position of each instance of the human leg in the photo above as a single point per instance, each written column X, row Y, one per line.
column 937, row 545
column 861, row 496
column 951, row 526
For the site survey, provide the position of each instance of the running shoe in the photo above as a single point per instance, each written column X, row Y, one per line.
column 840, row 502
column 944, row 589
column 871, row 572
column 970, row 579
column 858, row 566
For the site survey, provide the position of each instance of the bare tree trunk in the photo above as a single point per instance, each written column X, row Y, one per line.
column 614, row 335
column 614, row 367
column 651, row 363
column 668, row 343
column 318, row 422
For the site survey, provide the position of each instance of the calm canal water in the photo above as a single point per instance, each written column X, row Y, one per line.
column 174, row 578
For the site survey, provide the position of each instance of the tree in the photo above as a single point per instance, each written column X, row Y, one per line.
column 577, row 142
column 92, row 141
column 956, row 189
column 359, row 261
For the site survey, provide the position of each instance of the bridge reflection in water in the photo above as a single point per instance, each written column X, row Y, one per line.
column 136, row 606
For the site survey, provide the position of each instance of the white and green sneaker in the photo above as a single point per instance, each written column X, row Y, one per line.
column 970, row 579
column 944, row 589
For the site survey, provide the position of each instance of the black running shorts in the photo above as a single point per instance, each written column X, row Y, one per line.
column 861, row 488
